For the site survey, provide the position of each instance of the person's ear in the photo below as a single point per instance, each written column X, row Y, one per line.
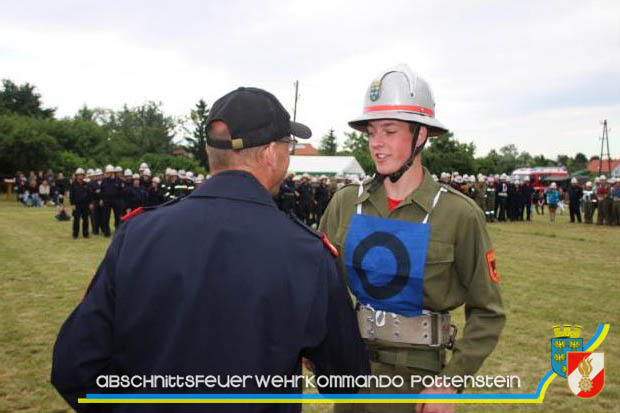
column 269, row 156
column 422, row 137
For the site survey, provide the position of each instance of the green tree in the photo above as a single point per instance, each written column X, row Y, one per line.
column 22, row 100
column 25, row 144
column 563, row 160
column 97, row 115
column 356, row 144
column 198, row 140
column 445, row 154
column 579, row 162
column 540, row 160
column 136, row 131
column 329, row 144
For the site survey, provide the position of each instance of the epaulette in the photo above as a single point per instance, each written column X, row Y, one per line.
column 321, row 236
column 140, row 210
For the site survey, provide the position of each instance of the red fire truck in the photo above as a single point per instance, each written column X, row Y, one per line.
column 542, row 177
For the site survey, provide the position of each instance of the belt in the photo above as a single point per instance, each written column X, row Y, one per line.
column 432, row 329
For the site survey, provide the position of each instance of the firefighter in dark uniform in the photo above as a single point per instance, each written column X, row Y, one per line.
column 221, row 312
column 501, row 197
column 155, row 195
column 79, row 197
column 528, row 194
column 321, row 198
column 96, row 200
column 135, row 195
column 287, row 195
column 111, row 194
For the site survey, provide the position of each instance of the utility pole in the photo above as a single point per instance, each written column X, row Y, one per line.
column 604, row 140
column 296, row 97
column 295, row 108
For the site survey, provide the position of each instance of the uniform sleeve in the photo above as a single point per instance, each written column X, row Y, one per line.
column 342, row 351
column 83, row 348
column 484, row 312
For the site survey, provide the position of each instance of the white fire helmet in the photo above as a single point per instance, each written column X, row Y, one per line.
column 146, row 172
column 573, row 181
column 118, row 169
column 472, row 179
column 399, row 93
column 435, row 178
column 589, row 184
column 189, row 175
column 128, row 172
column 143, row 166
column 490, row 179
column 157, row 180
column 182, row 173
column 603, row 178
column 503, row 177
column 89, row 172
column 173, row 172
column 554, row 185
column 135, row 176
column 109, row 168
column 98, row 171
column 79, row 171
column 458, row 179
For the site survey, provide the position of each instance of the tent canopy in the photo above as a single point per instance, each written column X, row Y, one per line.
column 325, row 165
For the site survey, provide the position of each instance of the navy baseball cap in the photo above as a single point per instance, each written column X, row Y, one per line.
column 254, row 117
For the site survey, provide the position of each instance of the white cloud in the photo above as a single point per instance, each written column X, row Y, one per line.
column 540, row 75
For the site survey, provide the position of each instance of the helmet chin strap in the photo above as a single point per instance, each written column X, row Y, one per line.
column 395, row 176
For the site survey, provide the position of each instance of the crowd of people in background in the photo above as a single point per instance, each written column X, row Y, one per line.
column 95, row 195
column 512, row 198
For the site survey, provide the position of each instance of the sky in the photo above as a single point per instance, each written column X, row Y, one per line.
column 539, row 75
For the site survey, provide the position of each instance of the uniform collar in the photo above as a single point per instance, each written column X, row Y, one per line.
column 239, row 185
column 422, row 196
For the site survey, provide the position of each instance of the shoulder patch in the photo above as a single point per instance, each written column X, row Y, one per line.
column 490, row 256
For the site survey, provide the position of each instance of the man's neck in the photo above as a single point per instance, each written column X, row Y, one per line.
column 407, row 183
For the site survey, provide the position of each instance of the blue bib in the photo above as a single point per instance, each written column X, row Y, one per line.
column 385, row 261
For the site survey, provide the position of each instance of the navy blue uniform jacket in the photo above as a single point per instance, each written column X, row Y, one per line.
column 219, row 283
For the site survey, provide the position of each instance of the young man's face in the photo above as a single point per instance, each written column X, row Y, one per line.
column 389, row 143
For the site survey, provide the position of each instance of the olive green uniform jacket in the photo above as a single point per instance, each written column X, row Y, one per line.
column 459, row 265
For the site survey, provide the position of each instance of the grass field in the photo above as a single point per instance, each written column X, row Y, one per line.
column 551, row 274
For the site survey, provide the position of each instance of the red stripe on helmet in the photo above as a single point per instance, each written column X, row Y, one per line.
column 408, row 108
